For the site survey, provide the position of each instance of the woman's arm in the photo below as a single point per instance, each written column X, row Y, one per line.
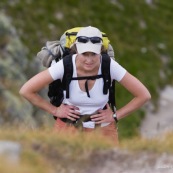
column 31, row 88
column 138, row 90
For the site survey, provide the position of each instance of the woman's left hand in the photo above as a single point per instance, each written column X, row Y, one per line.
column 103, row 116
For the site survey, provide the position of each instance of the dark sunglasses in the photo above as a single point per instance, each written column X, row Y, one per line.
column 94, row 40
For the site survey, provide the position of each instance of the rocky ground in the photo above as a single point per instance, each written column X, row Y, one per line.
column 156, row 123
column 118, row 161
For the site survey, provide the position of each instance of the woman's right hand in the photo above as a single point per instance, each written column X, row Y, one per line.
column 67, row 111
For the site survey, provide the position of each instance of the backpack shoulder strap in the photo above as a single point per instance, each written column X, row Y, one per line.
column 105, row 67
column 108, row 85
column 68, row 73
column 112, row 100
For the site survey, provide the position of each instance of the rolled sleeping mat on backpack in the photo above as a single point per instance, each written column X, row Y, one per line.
column 110, row 51
column 50, row 52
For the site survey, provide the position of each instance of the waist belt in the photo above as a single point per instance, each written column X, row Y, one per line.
column 78, row 122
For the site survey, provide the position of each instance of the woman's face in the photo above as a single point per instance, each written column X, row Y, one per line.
column 89, row 61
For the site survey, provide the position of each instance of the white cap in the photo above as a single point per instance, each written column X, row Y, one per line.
column 89, row 46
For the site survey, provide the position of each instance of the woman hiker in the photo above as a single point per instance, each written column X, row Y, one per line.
column 87, row 62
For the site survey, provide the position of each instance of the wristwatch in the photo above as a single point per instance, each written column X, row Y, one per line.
column 115, row 117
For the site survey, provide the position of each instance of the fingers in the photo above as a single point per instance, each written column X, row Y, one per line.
column 98, row 118
column 72, row 107
column 68, row 111
column 103, row 116
column 72, row 112
column 72, row 117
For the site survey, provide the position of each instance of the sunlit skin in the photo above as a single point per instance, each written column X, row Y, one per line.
column 87, row 63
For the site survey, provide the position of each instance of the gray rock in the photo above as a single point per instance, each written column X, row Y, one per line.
column 13, row 66
column 160, row 122
column 10, row 151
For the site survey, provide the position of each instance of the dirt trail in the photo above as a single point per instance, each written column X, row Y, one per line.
column 162, row 121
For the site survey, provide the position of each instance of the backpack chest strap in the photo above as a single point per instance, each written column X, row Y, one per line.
column 87, row 77
column 86, row 82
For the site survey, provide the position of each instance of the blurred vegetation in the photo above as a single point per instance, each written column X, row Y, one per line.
column 159, row 144
column 44, row 151
column 59, row 152
column 139, row 31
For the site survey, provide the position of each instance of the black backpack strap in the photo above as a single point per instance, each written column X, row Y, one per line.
column 68, row 73
column 105, row 67
column 106, row 60
column 112, row 101
column 87, row 78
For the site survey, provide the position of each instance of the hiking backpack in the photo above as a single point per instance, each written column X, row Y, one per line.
column 54, row 51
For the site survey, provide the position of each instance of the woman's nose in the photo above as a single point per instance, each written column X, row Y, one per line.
column 89, row 58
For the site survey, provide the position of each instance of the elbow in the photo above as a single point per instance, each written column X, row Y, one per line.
column 147, row 97
column 23, row 92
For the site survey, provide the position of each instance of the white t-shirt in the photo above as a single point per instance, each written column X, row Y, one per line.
column 79, row 98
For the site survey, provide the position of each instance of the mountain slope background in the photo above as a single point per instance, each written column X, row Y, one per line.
column 139, row 31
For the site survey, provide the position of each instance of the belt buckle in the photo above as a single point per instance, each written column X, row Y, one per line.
column 83, row 118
